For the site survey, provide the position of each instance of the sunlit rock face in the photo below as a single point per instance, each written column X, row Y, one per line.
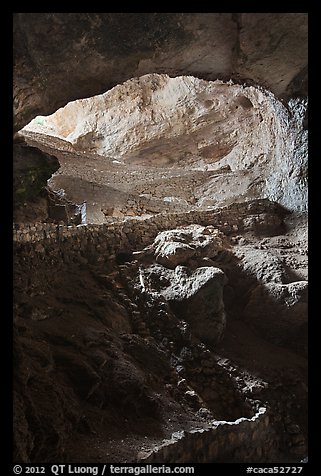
column 175, row 332
column 190, row 124
column 162, row 121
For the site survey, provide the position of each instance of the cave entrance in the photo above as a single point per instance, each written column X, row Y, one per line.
column 158, row 144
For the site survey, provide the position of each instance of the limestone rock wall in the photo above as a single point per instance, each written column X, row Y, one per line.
column 32, row 168
column 284, row 296
column 287, row 180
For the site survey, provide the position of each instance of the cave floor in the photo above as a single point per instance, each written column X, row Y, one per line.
column 69, row 321
column 241, row 347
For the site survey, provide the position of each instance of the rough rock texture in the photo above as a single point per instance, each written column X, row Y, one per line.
column 186, row 123
column 194, row 291
column 287, row 181
column 175, row 247
column 157, row 120
column 118, row 357
column 60, row 57
column 193, row 295
column 287, row 306
column 32, row 168
column 104, row 367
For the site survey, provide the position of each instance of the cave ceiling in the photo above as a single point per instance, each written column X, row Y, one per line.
column 60, row 57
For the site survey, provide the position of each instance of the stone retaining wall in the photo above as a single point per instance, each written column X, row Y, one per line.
column 245, row 440
column 228, row 219
column 93, row 244
column 98, row 243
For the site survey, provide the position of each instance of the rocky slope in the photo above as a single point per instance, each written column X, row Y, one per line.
column 171, row 325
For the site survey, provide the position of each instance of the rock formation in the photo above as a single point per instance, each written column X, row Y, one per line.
column 186, row 280
column 187, row 124
column 115, row 337
column 160, row 238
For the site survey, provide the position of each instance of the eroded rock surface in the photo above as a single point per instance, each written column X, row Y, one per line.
column 32, row 168
column 195, row 296
column 185, row 278
column 183, row 129
column 157, row 120
column 179, row 246
column 61, row 57
column 133, row 343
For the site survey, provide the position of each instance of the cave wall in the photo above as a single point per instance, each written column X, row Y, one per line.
column 184, row 123
column 287, row 180
column 31, row 168
column 59, row 57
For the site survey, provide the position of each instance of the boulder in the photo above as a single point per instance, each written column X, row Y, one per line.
column 193, row 295
column 176, row 247
column 280, row 312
